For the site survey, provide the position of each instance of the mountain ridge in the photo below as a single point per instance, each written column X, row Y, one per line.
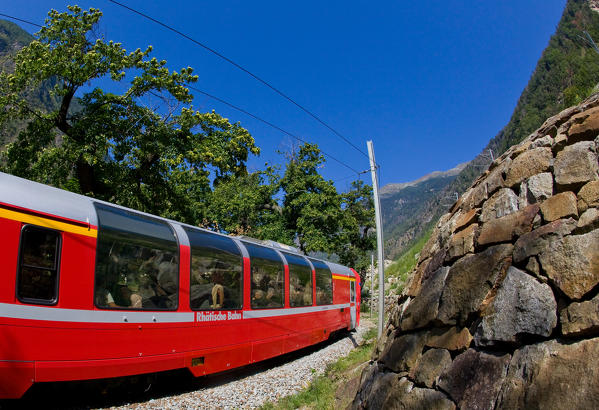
column 395, row 187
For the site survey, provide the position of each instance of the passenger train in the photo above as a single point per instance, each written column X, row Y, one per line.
column 93, row 290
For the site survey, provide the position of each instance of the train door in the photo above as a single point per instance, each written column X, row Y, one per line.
column 352, row 303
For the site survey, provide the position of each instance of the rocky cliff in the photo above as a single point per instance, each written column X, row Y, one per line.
column 503, row 307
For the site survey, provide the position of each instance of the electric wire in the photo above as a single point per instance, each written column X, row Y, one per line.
column 266, row 83
column 270, row 124
column 223, row 101
column 21, row 20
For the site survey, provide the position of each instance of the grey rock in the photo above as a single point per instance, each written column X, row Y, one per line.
column 404, row 396
column 538, row 241
column 424, row 308
column 503, row 202
column 552, row 376
column 403, row 352
column 522, row 306
column 468, row 282
column 581, row 318
column 527, row 164
column 573, row 263
column 588, row 221
column 576, row 165
column 539, row 187
column 474, row 379
column 430, row 366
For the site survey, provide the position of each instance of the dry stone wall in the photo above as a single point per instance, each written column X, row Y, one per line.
column 503, row 307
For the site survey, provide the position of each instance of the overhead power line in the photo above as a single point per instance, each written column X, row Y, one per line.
column 266, row 83
column 226, row 102
column 270, row 124
column 21, row 20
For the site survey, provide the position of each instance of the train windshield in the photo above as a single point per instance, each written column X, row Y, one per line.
column 137, row 261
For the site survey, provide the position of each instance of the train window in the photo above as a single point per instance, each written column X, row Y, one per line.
column 267, row 276
column 37, row 280
column 137, row 261
column 216, row 271
column 324, row 283
column 300, row 281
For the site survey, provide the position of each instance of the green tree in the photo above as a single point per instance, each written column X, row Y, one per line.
column 356, row 239
column 311, row 205
column 112, row 147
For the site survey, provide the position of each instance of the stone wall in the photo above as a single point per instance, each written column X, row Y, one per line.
column 503, row 307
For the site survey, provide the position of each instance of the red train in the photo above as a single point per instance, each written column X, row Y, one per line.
column 94, row 290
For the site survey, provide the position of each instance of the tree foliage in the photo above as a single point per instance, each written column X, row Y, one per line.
column 113, row 147
column 178, row 163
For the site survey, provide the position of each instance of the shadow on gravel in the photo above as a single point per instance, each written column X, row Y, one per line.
column 139, row 389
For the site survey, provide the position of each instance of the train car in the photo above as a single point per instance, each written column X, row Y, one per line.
column 93, row 290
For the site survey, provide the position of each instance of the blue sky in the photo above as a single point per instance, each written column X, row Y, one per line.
column 430, row 82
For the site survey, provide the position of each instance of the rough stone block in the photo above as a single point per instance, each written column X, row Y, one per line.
column 466, row 219
column 546, row 141
column 588, row 196
column 552, row 376
column 585, row 126
column 430, row 366
column 496, row 178
column 588, row 221
column 509, row 227
column 424, row 308
column 581, row 319
column 468, row 282
column 450, row 339
column 474, row 379
column 462, row 243
column 404, row 352
column 539, row 187
column 522, row 306
column 559, row 206
column 503, row 202
column 573, row 263
column 527, row 164
column 404, row 396
column 576, row 165
column 538, row 241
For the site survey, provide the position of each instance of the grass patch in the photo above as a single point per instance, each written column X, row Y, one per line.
column 321, row 392
column 406, row 262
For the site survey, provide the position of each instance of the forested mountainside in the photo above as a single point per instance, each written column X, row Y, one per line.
column 566, row 73
column 12, row 39
column 402, row 206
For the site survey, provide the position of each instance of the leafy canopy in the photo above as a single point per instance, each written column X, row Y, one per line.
column 109, row 145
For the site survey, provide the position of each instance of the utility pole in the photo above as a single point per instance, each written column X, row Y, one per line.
column 379, row 236
column 371, row 283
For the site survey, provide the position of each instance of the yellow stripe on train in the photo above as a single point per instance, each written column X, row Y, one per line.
column 344, row 278
column 47, row 223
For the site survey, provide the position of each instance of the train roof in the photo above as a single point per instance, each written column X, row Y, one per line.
column 31, row 195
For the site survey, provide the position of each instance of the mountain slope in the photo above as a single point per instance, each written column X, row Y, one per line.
column 402, row 206
column 566, row 73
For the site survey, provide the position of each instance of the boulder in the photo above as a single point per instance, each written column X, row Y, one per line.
column 474, row 379
column 588, row 196
column 588, row 221
column 539, row 187
column 527, row 164
column 468, row 282
column 573, row 264
column 376, row 387
column 576, row 165
column 404, row 396
column 503, row 202
column 430, row 366
column 466, row 219
column 404, row 352
column 580, row 318
column 462, row 242
column 559, row 206
column 509, row 227
column 522, row 306
column 552, row 375
column 538, row 241
column 451, row 339
column 585, row 126
column 424, row 308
